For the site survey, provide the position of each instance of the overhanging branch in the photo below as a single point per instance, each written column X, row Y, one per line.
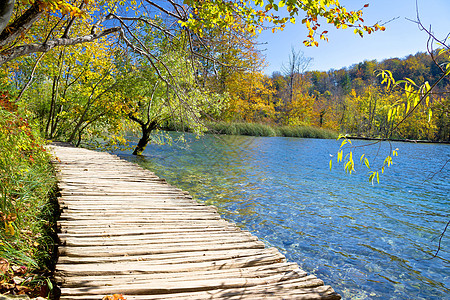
column 18, row 51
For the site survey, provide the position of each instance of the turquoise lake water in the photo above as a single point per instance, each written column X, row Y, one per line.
column 366, row 241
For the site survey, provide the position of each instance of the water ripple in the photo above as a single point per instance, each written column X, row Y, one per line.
column 368, row 242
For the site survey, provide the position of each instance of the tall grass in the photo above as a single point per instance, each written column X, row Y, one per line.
column 257, row 129
column 252, row 129
column 306, row 132
column 27, row 215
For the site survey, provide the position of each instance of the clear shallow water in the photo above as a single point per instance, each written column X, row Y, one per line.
column 367, row 242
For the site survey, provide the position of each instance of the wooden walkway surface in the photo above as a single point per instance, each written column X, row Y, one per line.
column 124, row 230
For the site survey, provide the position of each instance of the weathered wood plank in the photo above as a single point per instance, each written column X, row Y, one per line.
column 164, row 287
column 141, row 229
column 312, row 287
column 171, row 258
column 153, row 238
column 149, row 267
column 249, row 272
column 201, row 282
column 204, row 239
column 102, row 251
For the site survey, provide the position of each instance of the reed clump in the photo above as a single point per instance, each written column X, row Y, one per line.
column 307, row 132
column 257, row 129
column 242, row 128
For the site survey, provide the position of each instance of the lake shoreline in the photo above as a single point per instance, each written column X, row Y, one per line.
column 298, row 131
column 398, row 140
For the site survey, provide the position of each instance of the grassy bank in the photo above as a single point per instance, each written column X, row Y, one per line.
column 28, row 209
column 258, row 129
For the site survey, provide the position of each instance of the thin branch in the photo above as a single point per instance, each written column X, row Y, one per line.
column 166, row 11
column 435, row 173
column 151, row 101
column 441, row 236
column 146, row 21
column 30, row 79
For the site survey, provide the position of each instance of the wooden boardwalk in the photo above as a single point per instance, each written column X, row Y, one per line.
column 124, row 230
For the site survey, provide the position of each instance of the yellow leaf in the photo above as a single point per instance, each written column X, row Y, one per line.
column 9, row 229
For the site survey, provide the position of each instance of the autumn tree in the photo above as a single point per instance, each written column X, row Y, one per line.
column 296, row 105
column 251, row 97
column 168, row 92
column 72, row 94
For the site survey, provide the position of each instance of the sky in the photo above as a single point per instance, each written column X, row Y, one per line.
column 401, row 38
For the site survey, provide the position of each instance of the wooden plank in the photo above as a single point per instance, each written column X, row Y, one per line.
column 238, row 287
column 162, row 227
column 125, row 208
column 249, row 272
column 149, row 267
column 127, row 218
column 152, row 238
column 101, row 251
column 171, row 258
column 141, row 229
column 203, row 239
column 201, row 282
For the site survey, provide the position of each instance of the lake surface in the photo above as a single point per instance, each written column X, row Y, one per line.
column 366, row 241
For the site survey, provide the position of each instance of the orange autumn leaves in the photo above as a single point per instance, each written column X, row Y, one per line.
column 114, row 297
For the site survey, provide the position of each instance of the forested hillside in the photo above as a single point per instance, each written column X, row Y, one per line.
column 351, row 100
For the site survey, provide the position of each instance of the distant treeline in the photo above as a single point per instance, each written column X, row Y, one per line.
column 350, row 100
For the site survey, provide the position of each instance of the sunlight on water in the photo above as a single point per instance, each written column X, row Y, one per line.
column 368, row 242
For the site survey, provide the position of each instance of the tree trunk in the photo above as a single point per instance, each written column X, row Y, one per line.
column 143, row 142
column 147, row 129
column 21, row 24
column 6, row 10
